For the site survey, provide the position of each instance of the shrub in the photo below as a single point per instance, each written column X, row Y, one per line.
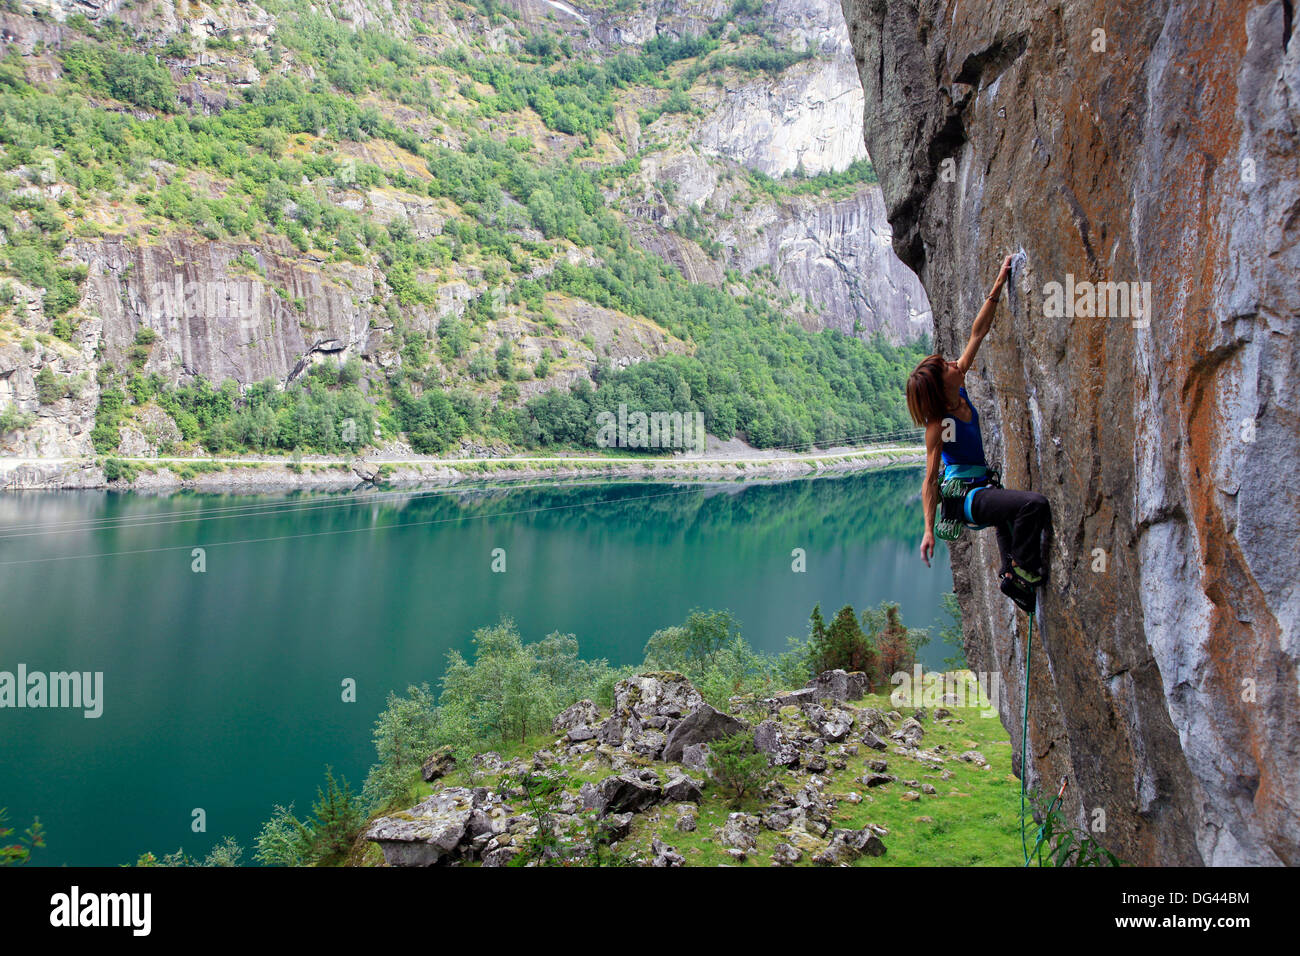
column 16, row 854
column 583, row 840
column 12, row 419
column 225, row 853
column 117, row 470
column 737, row 767
column 49, row 387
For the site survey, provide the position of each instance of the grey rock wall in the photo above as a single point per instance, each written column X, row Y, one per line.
column 1130, row 141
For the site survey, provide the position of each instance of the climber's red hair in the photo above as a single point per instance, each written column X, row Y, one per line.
column 925, row 398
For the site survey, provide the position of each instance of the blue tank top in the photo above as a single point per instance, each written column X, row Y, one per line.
column 968, row 448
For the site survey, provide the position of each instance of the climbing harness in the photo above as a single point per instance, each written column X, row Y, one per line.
column 1024, row 765
column 956, row 492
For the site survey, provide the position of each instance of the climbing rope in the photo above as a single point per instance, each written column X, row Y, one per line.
column 1024, row 745
column 1024, row 764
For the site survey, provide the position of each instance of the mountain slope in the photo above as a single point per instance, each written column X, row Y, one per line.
column 437, row 224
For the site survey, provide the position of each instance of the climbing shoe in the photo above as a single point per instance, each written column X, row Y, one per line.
column 1029, row 577
column 1020, row 591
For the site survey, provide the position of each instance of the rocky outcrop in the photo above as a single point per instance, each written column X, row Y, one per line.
column 492, row 824
column 805, row 118
column 1129, row 142
column 429, row 831
column 834, row 254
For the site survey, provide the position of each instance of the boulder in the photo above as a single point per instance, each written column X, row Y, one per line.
column 839, row 685
column 783, row 854
column 660, row 694
column 429, row 832
column 798, row 698
column 438, row 764
column 702, row 725
column 772, row 740
column 500, row 855
column 910, row 733
column 582, row 714
column 652, row 702
column 873, row 720
column 625, row 793
column 683, row 789
column 647, row 743
column 847, row 845
column 740, row 831
column 618, row 825
column 831, row 723
column 665, row 855
column 696, row 757
column 489, row 762
column 871, row 740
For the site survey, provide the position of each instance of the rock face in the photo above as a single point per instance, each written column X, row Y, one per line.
column 834, row 253
column 1128, row 142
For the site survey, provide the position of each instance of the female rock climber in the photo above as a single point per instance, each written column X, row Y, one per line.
column 938, row 402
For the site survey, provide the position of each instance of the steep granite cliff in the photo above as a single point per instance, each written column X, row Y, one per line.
column 1128, row 142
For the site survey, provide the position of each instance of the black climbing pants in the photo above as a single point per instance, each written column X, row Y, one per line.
column 1020, row 518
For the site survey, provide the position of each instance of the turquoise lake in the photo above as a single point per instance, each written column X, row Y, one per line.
column 222, row 690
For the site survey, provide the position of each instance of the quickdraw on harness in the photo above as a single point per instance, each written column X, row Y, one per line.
column 955, row 493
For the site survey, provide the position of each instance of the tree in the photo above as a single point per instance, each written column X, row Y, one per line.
column 405, row 734
column 844, row 646
column 891, row 640
column 338, row 818
column 697, row 642
column 504, row 695
column 284, row 840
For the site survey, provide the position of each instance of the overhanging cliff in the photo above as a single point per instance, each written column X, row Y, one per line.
column 1134, row 142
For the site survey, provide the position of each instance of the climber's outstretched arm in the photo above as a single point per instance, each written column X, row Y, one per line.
column 984, row 321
